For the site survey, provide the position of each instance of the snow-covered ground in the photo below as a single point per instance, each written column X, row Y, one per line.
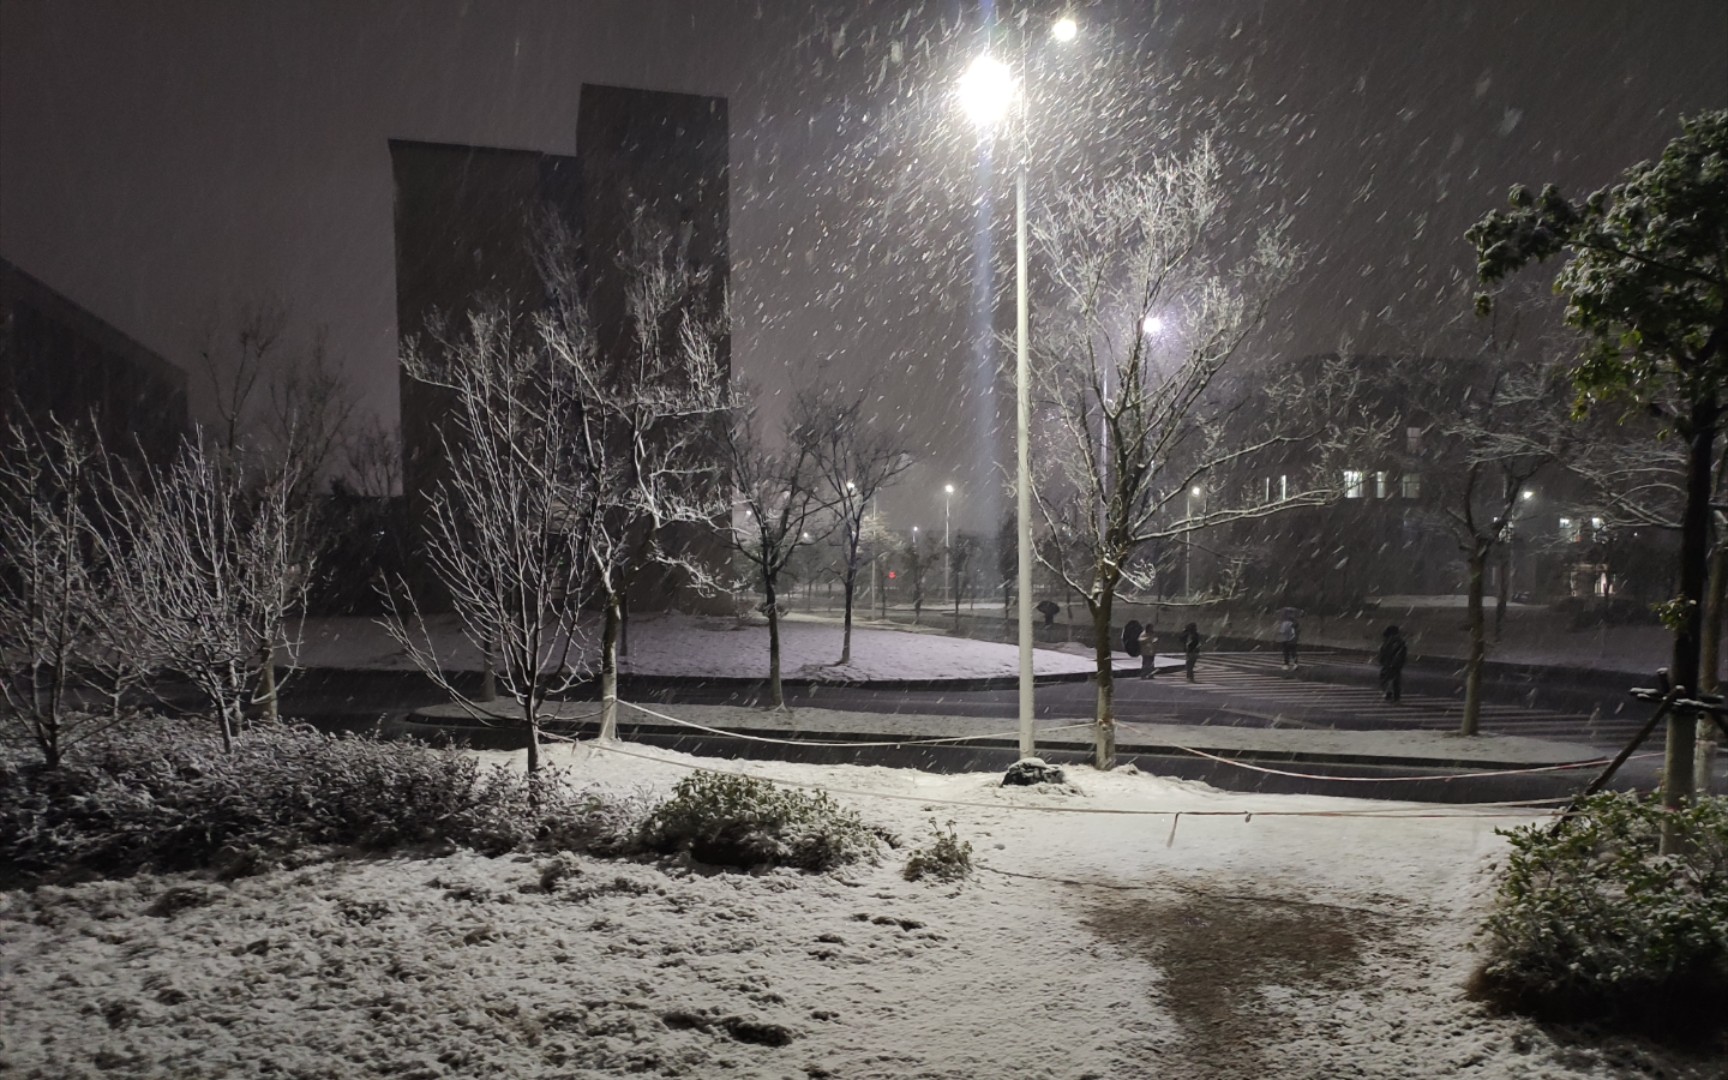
column 1103, row 936
column 718, row 647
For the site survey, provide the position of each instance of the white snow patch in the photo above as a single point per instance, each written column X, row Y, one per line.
column 1102, row 937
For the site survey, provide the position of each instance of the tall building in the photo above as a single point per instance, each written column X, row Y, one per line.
column 59, row 360
column 466, row 218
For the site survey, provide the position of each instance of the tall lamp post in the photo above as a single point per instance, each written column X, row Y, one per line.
column 987, row 92
column 947, row 538
column 1188, row 548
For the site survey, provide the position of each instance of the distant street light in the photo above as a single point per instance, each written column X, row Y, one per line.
column 987, row 91
column 1152, row 326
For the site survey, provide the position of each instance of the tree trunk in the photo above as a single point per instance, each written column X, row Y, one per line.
column 229, row 726
column 1472, row 721
column 1710, row 649
column 1503, row 587
column 1104, row 750
column 533, row 736
column 609, row 634
column 489, row 675
column 851, row 584
column 954, row 594
column 774, row 688
column 267, row 681
column 1677, row 762
column 46, row 728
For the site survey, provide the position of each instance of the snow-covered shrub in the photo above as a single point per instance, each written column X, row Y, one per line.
column 165, row 796
column 946, row 857
column 1594, row 923
column 559, row 867
column 740, row 821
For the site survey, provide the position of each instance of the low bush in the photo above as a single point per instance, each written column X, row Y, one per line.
column 1594, row 924
column 946, row 857
column 743, row 822
column 164, row 796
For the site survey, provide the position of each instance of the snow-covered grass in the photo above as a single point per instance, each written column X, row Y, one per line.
column 718, row 647
column 1100, row 936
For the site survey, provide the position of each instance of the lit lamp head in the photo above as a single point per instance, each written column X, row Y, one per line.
column 987, row 91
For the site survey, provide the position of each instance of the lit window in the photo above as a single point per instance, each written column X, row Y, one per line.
column 1283, row 487
column 1410, row 485
column 1353, row 483
column 1412, row 440
column 1571, row 531
column 1380, row 491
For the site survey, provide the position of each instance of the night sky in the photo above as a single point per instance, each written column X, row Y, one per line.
column 164, row 162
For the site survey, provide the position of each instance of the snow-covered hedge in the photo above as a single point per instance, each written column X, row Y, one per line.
column 164, row 796
column 740, row 821
column 1594, row 923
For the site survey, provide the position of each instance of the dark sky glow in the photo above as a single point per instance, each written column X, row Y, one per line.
column 163, row 161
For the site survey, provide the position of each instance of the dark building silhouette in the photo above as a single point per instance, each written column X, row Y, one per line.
column 1393, row 529
column 466, row 219
column 59, row 361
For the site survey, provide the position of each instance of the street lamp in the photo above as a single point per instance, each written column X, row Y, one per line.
column 947, row 536
column 987, row 91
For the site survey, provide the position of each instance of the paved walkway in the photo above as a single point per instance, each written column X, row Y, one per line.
column 1357, row 726
column 1350, row 698
column 1416, row 746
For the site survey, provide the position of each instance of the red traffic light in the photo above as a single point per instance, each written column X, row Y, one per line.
column 892, row 575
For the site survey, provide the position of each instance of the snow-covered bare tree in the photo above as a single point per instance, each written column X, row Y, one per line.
column 646, row 420
column 1479, row 429
column 66, row 666
column 776, row 492
column 1635, row 486
column 508, row 526
column 281, row 407
column 372, row 460
column 210, row 567
column 1645, row 277
column 1129, row 420
column 854, row 459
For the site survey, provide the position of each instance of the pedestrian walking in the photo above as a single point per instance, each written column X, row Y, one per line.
column 1190, row 648
column 1287, row 634
column 1393, row 653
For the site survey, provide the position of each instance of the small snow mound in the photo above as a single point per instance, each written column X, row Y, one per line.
column 1030, row 772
